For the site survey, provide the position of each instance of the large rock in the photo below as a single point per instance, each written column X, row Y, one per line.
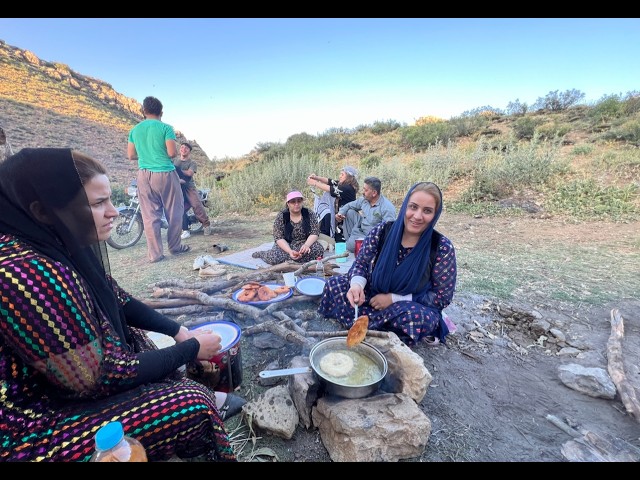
column 274, row 412
column 407, row 373
column 380, row 428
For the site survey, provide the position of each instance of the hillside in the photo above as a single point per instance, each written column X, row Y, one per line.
column 46, row 104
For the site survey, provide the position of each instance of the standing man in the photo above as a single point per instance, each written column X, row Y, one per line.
column 186, row 169
column 153, row 144
column 372, row 208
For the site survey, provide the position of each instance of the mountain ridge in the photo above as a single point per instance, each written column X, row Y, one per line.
column 47, row 104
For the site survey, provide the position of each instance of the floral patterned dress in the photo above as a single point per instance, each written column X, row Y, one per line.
column 276, row 255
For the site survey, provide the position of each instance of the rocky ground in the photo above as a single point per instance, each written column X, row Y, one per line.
column 495, row 381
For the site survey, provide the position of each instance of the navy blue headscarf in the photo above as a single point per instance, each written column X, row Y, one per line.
column 405, row 278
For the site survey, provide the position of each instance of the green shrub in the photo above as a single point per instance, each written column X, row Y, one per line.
column 606, row 109
column 553, row 130
column 525, row 127
column 629, row 131
column 422, row 137
column 381, row 127
column 582, row 149
column 371, row 162
column 585, row 199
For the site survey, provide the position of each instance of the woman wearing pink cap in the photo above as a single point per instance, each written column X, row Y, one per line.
column 295, row 233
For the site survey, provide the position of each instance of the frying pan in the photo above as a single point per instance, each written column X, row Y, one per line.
column 332, row 385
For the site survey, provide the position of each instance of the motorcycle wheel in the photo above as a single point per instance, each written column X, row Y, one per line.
column 121, row 235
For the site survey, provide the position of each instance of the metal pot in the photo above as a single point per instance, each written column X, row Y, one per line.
column 343, row 388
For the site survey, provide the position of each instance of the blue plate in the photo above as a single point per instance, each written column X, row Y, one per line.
column 311, row 286
column 229, row 333
column 279, row 298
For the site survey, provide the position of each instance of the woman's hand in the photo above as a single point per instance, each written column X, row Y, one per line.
column 355, row 295
column 209, row 344
column 183, row 334
column 304, row 249
column 381, row 301
column 295, row 255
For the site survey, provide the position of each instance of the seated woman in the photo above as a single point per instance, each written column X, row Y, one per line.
column 295, row 233
column 74, row 353
column 395, row 279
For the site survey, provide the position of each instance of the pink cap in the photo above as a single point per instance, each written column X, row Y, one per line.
column 294, row 194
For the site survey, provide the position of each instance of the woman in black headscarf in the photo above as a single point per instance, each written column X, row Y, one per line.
column 403, row 276
column 73, row 351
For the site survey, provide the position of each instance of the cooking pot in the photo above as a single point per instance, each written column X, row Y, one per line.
column 340, row 386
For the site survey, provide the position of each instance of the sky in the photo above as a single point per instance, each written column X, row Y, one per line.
column 231, row 84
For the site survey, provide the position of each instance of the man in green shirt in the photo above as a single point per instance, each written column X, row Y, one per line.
column 153, row 144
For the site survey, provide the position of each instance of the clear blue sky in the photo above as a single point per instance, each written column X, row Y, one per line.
column 232, row 83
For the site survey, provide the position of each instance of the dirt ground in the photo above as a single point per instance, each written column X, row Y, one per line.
column 487, row 402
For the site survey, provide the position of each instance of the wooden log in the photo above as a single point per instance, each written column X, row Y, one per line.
column 615, row 366
column 159, row 303
column 313, row 263
column 278, row 329
column 343, row 333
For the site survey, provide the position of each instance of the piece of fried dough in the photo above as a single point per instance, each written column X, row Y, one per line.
column 252, row 286
column 247, row 295
column 265, row 293
column 282, row 289
column 358, row 331
column 336, row 364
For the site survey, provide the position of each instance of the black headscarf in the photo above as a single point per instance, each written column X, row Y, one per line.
column 50, row 177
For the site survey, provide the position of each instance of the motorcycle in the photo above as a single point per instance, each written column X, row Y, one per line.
column 128, row 226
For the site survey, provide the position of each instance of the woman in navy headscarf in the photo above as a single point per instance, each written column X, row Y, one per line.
column 403, row 276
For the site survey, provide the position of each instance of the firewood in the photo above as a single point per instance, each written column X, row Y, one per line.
column 616, row 366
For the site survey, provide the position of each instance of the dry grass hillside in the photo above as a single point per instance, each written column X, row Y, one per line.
column 46, row 104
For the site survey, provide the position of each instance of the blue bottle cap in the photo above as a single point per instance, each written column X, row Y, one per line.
column 109, row 436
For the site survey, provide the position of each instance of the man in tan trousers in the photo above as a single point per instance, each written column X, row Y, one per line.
column 153, row 144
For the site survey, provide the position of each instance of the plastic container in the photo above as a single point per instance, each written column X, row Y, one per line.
column 320, row 268
column 112, row 445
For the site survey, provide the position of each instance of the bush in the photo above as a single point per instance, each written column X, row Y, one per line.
column 585, row 199
column 525, row 127
column 552, row 130
column 607, row 108
column 421, row 137
column 557, row 102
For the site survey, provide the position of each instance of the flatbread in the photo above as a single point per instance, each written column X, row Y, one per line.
column 358, row 331
column 336, row 364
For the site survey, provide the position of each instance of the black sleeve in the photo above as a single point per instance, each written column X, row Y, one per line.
column 142, row 316
column 157, row 364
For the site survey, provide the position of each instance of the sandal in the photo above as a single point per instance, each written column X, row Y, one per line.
column 431, row 341
column 231, row 406
column 220, row 248
column 183, row 249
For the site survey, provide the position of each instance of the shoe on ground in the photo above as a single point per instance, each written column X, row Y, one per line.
column 219, row 248
column 183, row 249
column 202, row 261
column 431, row 341
column 231, row 406
column 159, row 259
column 185, row 234
column 212, row 271
column 208, row 230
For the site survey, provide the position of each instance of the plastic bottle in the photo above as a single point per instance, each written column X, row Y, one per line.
column 319, row 268
column 112, row 445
